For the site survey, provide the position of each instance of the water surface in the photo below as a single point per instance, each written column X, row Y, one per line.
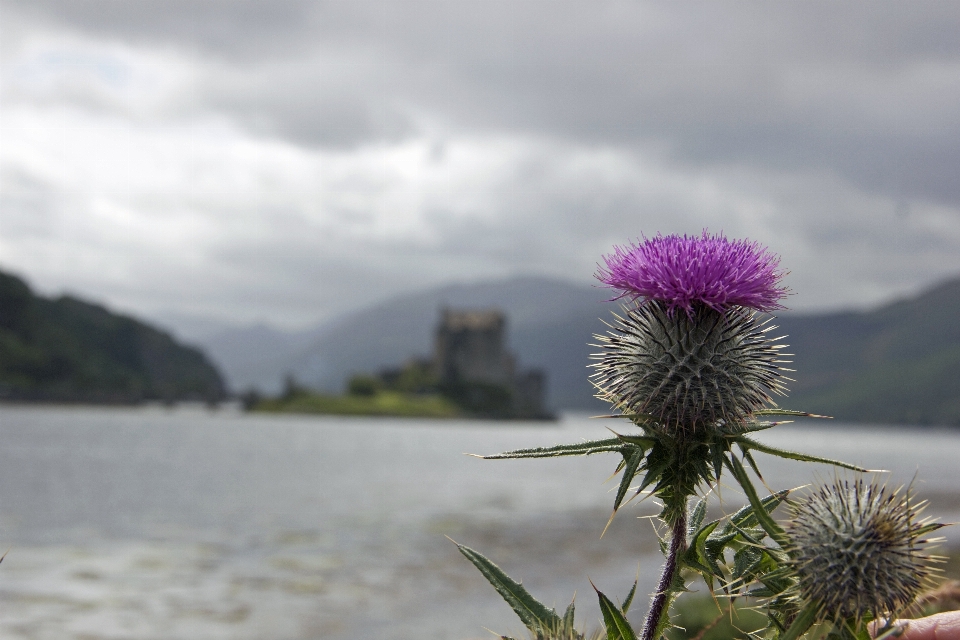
column 158, row 523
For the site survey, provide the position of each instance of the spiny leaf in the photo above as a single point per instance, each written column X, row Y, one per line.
column 717, row 451
column 803, row 622
column 640, row 441
column 629, row 471
column 748, row 443
column 568, row 617
column 699, row 550
column 922, row 531
column 753, row 463
column 532, row 613
column 617, row 626
column 768, row 524
column 746, row 560
column 750, row 427
column 744, row 517
column 579, row 449
column 629, row 599
column 788, row 412
column 654, row 467
column 696, row 518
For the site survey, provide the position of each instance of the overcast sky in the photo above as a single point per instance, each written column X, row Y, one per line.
column 287, row 160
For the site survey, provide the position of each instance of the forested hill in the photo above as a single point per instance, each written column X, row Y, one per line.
column 68, row 350
column 897, row 364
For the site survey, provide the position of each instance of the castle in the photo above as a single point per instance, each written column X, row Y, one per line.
column 472, row 365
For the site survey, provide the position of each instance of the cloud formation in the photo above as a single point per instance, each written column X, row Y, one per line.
column 292, row 160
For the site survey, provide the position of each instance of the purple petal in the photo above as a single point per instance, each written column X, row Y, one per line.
column 683, row 271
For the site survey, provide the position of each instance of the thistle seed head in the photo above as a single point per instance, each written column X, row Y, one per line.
column 856, row 549
column 689, row 372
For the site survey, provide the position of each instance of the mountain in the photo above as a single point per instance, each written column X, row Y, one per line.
column 260, row 356
column 68, row 350
column 896, row 364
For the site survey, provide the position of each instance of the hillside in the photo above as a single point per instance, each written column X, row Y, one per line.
column 68, row 350
column 896, row 364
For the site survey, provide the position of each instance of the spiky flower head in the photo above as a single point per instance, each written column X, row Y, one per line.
column 688, row 373
column 858, row 550
column 684, row 272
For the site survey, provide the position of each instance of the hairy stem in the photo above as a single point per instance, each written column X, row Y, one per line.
column 661, row 599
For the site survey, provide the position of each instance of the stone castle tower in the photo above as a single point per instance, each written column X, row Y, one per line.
column 470, row 349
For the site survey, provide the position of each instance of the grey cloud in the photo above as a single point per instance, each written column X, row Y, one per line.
column 816, row 86
column 238, row 29
column 315, row 102
column 29, row 205
column 828, row 115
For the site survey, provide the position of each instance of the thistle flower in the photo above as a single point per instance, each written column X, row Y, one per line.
column 713, row 364
column 686, row 271
column 857, row 549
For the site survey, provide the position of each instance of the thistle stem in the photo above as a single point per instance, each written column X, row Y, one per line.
column 659, row 605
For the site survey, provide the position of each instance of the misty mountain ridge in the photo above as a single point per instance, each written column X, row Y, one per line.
column 896, row 363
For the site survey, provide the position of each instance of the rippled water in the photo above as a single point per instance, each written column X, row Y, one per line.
column 156, row 523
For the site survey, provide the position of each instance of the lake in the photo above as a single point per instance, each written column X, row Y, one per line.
column 187, row 523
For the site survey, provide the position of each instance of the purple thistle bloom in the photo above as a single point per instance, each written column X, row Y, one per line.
column 682, row 271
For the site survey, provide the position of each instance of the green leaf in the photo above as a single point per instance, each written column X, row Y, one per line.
column 752, row 463
column 745, row 517
column 617, row 626
column 640, row 441
column 698, row 546
column 568, row 617
column 696, row 518
column 748, row 443
column 768, row 524
column 922, row 531
column 629, row 600
column 802, row 622
column 579, row 449
column 532, row 613
column 629, row 471
column 759, row 425
column 746, row 561
column 657, row 462
column 788, row 412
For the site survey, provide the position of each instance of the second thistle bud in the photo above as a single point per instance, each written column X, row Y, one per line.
column 858, row 551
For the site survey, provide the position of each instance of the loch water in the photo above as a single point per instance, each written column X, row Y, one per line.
column 187, row 523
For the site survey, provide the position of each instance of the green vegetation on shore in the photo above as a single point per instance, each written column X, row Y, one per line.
column 382, row 403
column 68, row 350
column 410, row 393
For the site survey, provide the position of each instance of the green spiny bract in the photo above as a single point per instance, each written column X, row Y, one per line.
column 693, row 373
column 857, row 550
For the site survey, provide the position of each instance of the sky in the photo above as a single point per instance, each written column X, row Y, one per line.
column 289, row 161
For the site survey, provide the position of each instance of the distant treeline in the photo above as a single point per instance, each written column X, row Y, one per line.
column 68, row 350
